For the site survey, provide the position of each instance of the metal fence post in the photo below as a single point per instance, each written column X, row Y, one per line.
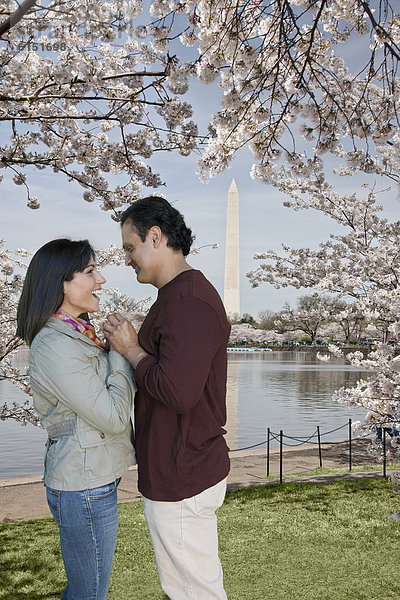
column 349, row 444
column 280, row 455
column 384, row 451
column 319, row 446
column 268, row 451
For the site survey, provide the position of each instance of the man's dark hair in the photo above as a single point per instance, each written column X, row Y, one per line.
column 153, row 210
column 43, row 290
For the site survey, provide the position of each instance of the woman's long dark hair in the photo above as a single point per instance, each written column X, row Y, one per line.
column 43, row 290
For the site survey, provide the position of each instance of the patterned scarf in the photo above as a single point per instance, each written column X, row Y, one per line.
column 82, row 326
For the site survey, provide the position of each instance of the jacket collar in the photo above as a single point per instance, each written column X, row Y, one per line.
column 58, row 325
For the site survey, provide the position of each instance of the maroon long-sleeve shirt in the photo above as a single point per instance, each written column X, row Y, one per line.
column 180, row 405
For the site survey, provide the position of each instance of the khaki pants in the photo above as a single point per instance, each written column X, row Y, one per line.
column 185, row 542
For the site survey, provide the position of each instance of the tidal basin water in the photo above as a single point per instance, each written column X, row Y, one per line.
column 291, row 391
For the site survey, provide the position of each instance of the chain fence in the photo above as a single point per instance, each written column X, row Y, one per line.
column 316, row 438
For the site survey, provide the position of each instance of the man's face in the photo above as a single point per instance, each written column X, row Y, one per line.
column 139, row 255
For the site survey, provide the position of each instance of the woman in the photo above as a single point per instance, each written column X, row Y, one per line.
column 83, row 393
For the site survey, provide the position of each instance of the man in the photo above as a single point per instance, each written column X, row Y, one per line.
column 180, row 364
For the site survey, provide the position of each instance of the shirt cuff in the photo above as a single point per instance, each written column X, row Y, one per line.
column 143, row 366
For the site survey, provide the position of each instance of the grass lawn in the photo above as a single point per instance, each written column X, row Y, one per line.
column 297, row 540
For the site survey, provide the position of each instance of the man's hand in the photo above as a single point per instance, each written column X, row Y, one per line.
column 123, row 338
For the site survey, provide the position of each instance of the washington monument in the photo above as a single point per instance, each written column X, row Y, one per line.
column 231, row 287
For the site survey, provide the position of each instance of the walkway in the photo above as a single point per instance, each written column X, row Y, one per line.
column 24, row 497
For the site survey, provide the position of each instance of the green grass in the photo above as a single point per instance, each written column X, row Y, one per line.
column 297, row 540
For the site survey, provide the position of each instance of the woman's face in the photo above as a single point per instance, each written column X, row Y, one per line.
column 79, row 293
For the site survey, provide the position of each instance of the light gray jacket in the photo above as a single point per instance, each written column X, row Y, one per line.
column 84, row 399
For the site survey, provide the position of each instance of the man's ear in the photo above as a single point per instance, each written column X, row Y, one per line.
column 156, row 235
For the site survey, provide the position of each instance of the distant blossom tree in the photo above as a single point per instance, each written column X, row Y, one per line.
column 350, row 320
column 266, row 319
column 309, row 315
column 246, row 333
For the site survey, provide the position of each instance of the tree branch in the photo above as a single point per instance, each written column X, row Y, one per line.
column 16, row 16
column 392, row 47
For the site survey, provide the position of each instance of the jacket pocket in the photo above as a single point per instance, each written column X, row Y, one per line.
column 89, row 438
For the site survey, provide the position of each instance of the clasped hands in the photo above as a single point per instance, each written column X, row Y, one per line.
column 123, row 338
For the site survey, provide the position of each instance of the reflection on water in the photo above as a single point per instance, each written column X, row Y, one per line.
column 21, row 447
column 291, row 391
column 232, row 395
column 281, row 390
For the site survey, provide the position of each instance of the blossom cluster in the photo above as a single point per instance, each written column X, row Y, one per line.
column 83, row 93
column 111, row 96
column 280, row 67
column 361, row 264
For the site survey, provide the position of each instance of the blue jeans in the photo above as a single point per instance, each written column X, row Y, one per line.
column 88, row 523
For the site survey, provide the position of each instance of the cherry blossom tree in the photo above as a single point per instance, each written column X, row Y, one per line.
column 285, row 71
column 83, row 93
column 246, row 333
column 350, row 320
column 91, row 89
column 363, row 265
column 11, row 280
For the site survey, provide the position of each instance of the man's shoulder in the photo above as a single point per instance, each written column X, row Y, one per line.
column 203, row 287
column 195, row 293
column 194, row 284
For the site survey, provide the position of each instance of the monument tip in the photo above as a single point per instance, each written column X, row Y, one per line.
column 233, row 185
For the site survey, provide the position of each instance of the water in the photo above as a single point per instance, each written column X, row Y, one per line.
column 291, row 391
column 281, row 390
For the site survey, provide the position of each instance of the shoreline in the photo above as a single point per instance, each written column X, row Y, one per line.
column 302, row 348
column 24, row 497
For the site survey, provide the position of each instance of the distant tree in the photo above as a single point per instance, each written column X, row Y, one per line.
column 247, row 318
column 310, row 313
column 233, row 318
column 266, row 319
column 349, row 318
column 246, row 333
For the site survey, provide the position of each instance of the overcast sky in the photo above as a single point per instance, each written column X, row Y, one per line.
column 264, row 222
